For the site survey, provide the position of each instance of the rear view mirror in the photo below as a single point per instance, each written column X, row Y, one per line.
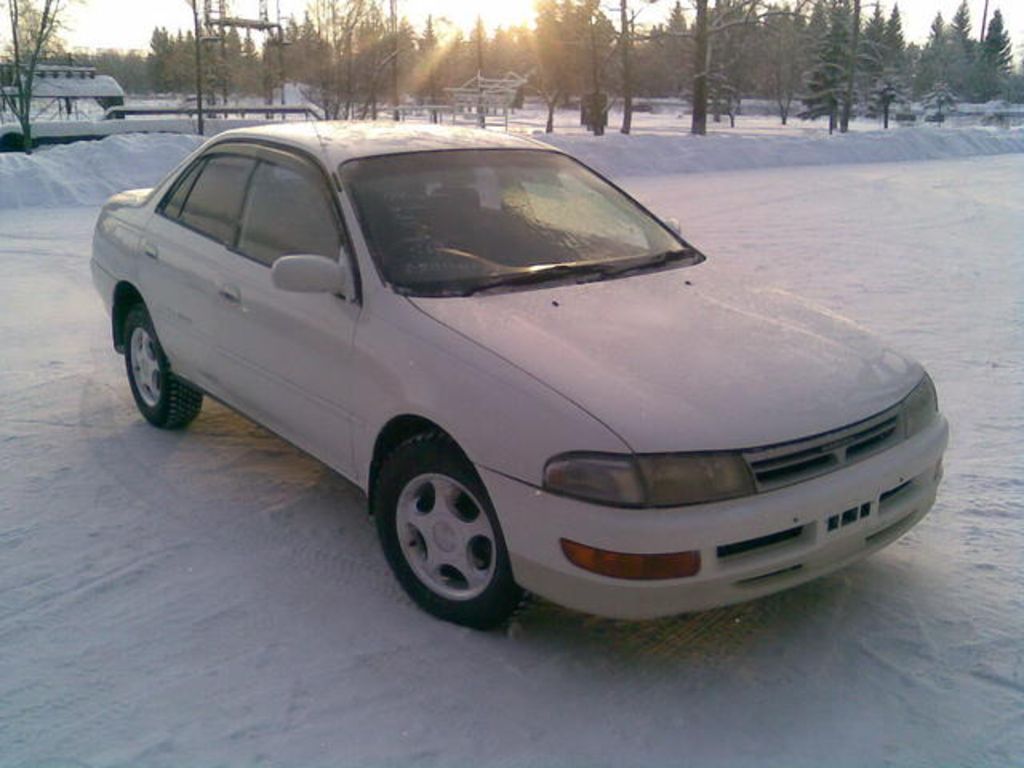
column 673, row 224
column 306, row 273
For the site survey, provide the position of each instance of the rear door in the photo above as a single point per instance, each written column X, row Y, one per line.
column 285, row 356
column 184, row 245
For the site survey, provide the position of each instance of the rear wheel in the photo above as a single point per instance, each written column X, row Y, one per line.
column 162, row 398
column 440, row 534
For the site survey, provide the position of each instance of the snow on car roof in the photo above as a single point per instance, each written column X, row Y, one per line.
column 341, row 141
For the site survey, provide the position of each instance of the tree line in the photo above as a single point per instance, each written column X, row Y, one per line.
column 811, row 58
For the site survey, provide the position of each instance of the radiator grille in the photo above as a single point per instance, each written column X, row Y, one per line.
column 780, row 465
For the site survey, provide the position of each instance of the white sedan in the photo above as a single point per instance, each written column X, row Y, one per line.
column 539, row 385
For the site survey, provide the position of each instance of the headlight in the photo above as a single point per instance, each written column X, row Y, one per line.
column 919, row 408
column 653, row 480
column 602, row 477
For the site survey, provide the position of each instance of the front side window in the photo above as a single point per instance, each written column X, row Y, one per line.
column 288, row 212
column 457, row 222
column 176, row 200
column 214, row 204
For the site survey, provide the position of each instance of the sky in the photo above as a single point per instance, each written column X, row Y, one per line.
column 129, row 23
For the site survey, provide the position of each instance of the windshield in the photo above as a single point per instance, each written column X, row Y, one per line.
column 456, row 222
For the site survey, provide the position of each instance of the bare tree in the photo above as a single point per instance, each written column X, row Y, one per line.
column 711, row 23
column 626, row 50
column 701, row 66
column 551, row 56
column 334, row 26
column 786, row 59
column 34, row 30
column 626, row 38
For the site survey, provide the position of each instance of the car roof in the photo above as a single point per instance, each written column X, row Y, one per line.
column 339, row 141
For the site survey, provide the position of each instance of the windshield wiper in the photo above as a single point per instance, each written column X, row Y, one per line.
column 617, row 269
column 533, row 275
column 591, row 271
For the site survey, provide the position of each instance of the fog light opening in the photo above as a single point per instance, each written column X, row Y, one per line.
column 636, row 567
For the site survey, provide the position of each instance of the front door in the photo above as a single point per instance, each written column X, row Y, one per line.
column 284, row 357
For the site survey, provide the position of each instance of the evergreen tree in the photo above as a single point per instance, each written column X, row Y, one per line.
column 895, row 45
column 873, row 48
column 826, row 81
column 678, row 54
column 880, row 83
column 940, row 99
column 159, row 60
column 934, row 64
column 785, row 55
column 887, row 90
column 731, row 61
column 961, row 51
column 130, row 69
column 427, row 89
column 995, row 60
column 960, row 27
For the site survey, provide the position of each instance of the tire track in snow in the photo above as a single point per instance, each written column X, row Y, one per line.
column 270, row 499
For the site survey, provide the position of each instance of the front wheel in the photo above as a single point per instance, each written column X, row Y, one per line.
column 440, row 534
column 162, row 398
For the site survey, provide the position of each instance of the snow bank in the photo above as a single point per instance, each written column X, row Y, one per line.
column 644, row 155
column 88, row 172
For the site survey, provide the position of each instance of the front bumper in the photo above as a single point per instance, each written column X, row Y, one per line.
column 749, row 547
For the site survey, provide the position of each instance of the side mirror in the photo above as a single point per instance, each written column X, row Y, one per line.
column 305, row 273
column 673, row 224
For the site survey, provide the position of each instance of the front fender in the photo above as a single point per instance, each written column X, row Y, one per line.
column 405, row 362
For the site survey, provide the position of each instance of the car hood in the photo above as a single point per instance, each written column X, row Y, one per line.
column 688, row 359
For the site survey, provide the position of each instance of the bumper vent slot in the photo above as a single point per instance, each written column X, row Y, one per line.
column 893, row 493
column 749, row 545
column 788, row 463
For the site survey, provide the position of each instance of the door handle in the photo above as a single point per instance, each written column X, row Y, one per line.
column 230, row 294
column 151, row 250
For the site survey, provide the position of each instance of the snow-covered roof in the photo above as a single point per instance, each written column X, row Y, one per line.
column 343, row 141
column 99, row 87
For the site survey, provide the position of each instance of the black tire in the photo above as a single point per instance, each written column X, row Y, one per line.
column 167, row 401
column 432, row 460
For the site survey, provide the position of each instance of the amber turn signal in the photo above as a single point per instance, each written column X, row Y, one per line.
column 618, row 565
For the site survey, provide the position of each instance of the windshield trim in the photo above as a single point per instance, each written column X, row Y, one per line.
column 451, row 289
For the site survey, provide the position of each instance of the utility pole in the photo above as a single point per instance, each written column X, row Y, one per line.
column 394, row 58
column 984, row 21
column 481, row 118
column 625, row 44
column 199, row 67
column 280, row 55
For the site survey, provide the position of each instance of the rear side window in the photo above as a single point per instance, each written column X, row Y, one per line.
column 214, row 204
column 288, row 212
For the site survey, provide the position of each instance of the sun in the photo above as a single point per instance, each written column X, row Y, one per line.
column 498, row 13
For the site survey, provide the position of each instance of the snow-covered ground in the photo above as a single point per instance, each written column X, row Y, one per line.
column 213, row 597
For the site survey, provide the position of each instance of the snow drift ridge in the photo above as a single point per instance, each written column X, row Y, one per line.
column 657, row 154
column 88, row 172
